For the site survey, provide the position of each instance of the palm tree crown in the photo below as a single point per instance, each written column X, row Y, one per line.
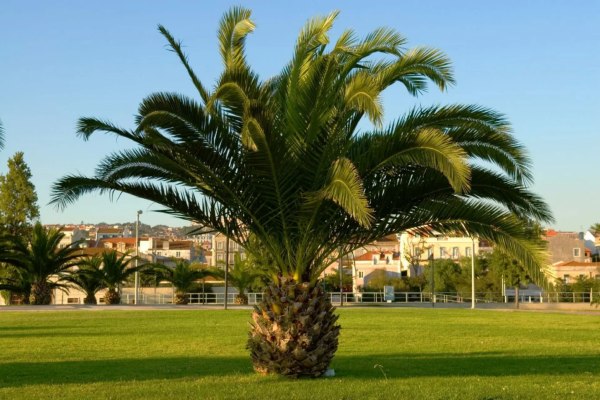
column 89, row 277
column 283, row 159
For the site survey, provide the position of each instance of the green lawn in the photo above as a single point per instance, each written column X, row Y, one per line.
column 384, row 353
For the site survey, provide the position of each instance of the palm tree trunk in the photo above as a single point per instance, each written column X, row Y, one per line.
column 90, row 299
column 294, row 331
column 41, row 293
column 241, row 298
column 112, row 297
column 181, row 298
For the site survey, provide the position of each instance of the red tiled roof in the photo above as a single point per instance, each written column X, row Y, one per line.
column 551, row 233
column 388, row 238
column 368, row 256
column 109, row 230
column 578, row 264
column 92, row 251
column 128, row 240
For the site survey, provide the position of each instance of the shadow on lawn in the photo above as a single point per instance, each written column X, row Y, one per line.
column 353, row 367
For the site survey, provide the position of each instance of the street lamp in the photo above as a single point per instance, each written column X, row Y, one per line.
column 226, row 264
column 473, row 273
column 137, row 276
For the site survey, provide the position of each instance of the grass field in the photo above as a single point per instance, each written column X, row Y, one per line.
column 384, row 354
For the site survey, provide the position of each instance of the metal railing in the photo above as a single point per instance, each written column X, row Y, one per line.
column 379, row 297
column 364, row 297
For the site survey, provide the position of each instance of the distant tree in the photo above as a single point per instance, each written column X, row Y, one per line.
column 183, row 277
column 446, row 274
column 380, row 278
column 116, row 269
column 37, row 262
column 332, row 281
column 18, row 199
column 13, row 286
column 243, row 275
column 89, row 278
column 511, row 270
column 595, row 228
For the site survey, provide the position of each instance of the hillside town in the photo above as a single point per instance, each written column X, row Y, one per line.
column 572, row 256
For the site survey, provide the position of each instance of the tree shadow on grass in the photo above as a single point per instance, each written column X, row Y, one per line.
column 365, row 367
column 464, row 365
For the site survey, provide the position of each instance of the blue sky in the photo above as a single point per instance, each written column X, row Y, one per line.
column 538, row 62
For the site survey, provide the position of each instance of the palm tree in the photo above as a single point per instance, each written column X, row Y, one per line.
column 89, row 278
column 242, row 276
column 39, row 262
column 15, row 283
column 116, row 269
column 283, row 160
column 183, row 278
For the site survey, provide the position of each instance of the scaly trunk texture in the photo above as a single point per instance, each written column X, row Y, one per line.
column 294, row 331
column 90, row 299
column 181, row 298
column 112, row 297
column 241, row 298
column 41, row 294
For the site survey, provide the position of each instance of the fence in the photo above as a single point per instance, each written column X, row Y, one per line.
column 379, row 297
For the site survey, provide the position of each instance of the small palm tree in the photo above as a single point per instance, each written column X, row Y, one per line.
column 242, row 276
column 39, row 262
column 89, row 278
column 16, row 283
column 183, row 277
column 116, row 269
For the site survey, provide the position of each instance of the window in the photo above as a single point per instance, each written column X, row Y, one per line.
column 177, row 254
column 468, row 251
column 388, row 260
column 375, row 259
column 73, row 300
column 220, row 257
column 442, row 252
column 567, row 278
column 417, row 252
column 361, row 274
column 430, row 253
column 455, row 252
column 219, row 245
column 576, row 252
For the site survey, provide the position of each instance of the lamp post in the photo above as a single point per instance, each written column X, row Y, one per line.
column 431, row 262
column 473, row 273
column 226, row 264
column 137, row 276
column 341, row 270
